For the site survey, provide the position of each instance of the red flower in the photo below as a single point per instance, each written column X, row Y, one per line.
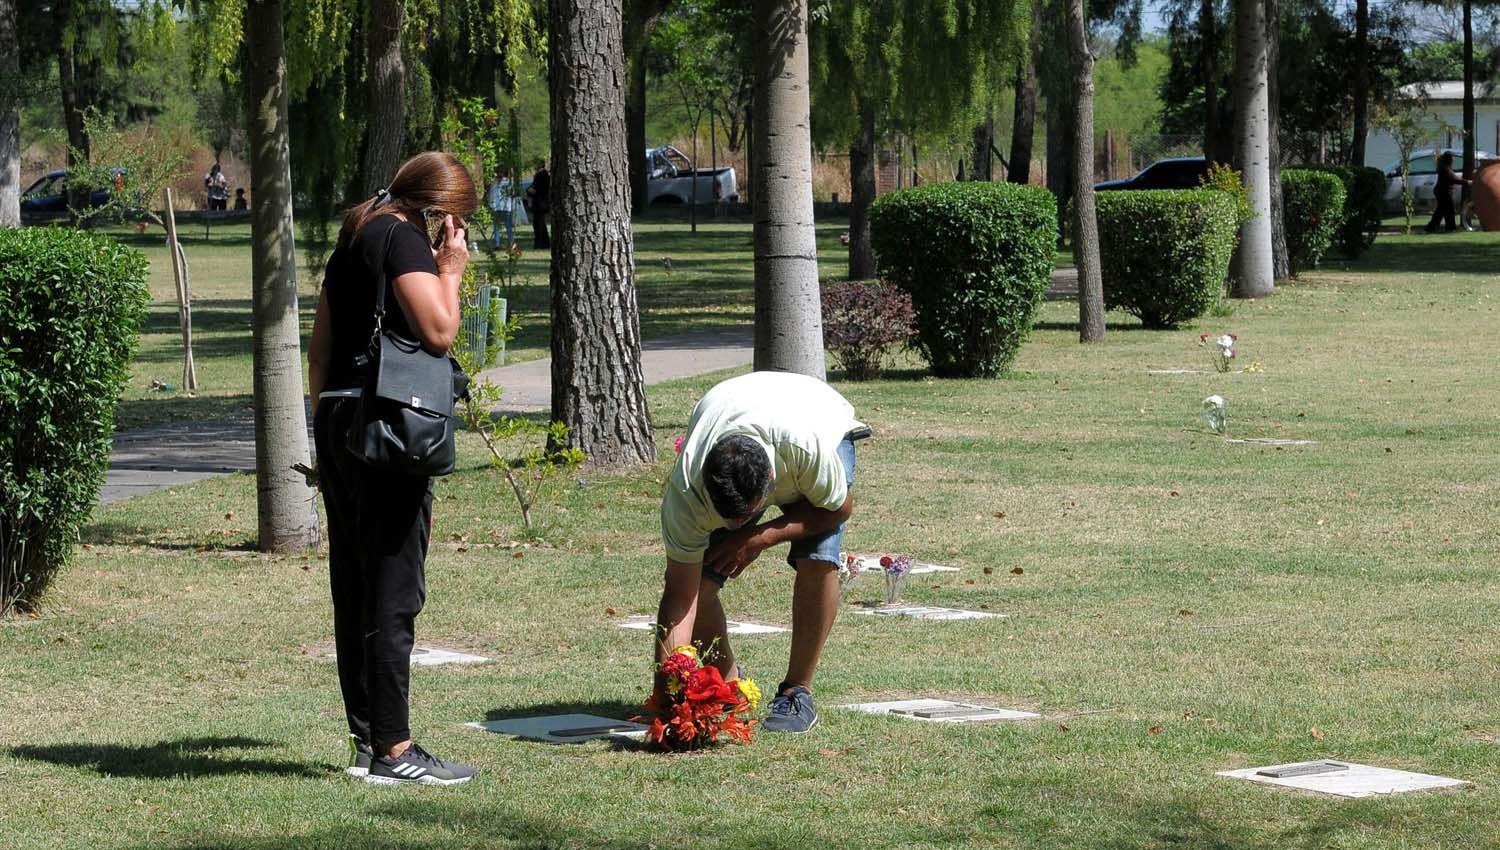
column 679, row 665
column 886, row 561
column 708, row 686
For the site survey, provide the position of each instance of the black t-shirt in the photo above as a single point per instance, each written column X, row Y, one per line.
column 349, row 283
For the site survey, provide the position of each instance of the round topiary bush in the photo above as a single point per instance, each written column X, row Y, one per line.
column 1364, row 204
column 1312, row 214
column 71, row 303
column 1164, row 254
column 976, row 258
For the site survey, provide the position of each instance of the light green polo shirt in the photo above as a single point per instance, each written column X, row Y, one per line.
column 800, row 421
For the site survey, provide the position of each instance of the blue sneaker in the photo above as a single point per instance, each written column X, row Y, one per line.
column 791, row 711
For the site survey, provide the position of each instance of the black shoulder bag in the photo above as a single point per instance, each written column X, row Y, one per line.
column 404, row 422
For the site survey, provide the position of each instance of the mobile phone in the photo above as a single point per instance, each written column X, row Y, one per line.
column 433, row 219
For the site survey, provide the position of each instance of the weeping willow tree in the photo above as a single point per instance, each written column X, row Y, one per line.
column 874, row 63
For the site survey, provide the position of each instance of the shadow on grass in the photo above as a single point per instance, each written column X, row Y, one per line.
column 1108, row 326
column 189, row 758
column 134, row 413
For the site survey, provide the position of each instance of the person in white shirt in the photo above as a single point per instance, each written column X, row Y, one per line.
column 762, row 439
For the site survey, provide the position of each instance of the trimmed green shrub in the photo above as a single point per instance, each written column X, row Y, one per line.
column 1364, row 204
column 976, row 258
column 1312, row 213
column 71, row 303
column 1165, row 253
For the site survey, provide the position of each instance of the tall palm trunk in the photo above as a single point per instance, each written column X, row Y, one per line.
column 1253, row 272
column 1361, row 81
column 287, row 519
column 385, row 94
column 598, row 389
column 788, row 310
column 10, row 118
column 1023, row 127
column 1208, row 37
column 862, row 194
column 1085, row 223
column 1469, row 127
column 1281, row 258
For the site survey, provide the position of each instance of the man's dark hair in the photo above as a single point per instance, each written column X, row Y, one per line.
column 737, row 475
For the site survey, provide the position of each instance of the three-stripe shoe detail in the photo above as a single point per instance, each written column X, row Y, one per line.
column 416, row 765
column 408, row 771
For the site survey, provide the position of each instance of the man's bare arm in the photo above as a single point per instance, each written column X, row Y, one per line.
column 678, row 610
column 798, row 520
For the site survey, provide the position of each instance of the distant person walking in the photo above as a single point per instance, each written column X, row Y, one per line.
column 240, row 204
column 216, row 186
column 539, row 195
column 1447, row 180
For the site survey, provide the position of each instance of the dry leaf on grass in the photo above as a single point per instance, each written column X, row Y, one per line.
column 1155, row 730
column 1317, row 734
column 1015, row 571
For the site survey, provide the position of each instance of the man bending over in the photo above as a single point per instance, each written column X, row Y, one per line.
column 762, row 439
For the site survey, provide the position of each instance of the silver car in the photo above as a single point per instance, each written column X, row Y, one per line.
column 1423, row 171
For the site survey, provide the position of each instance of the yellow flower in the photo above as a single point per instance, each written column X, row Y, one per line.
column 751, row 693
column 687, row 650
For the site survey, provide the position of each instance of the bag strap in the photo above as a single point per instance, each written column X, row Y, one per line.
column 385, row 247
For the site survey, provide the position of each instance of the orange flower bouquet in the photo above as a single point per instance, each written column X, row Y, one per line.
column 700, row 707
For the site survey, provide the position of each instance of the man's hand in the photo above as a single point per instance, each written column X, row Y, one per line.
column 735, row 552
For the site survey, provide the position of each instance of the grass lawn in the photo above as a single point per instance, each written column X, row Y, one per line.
column 1178, row 605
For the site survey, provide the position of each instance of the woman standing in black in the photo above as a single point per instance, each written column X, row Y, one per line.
column 1443, row 194
column 378, row 521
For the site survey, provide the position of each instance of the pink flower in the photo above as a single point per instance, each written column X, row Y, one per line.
column 677, row 444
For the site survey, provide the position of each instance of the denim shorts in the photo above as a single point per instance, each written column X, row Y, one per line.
column 823, row 547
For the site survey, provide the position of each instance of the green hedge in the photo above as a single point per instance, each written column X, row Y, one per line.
column 1312, row 213
column 976, row 258
column 1165, row 253
column 1364, row 205
column 71, row 303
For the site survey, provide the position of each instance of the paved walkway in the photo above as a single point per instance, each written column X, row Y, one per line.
column 154, row 458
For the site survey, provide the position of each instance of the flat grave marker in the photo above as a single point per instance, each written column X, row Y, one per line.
column 1342, row 778
column 1176, row 371
column 940, row 711
column 1273, row 441
column 644, row 623
column 925, row 612
column 426, row 656
column 563, row 728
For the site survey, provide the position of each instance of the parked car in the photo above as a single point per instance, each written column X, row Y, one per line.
column 46, row 200
column 1184, row 172
column 1423, row 170
column 672, row 179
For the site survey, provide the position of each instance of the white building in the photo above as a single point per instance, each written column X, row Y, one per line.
column 1445, row 105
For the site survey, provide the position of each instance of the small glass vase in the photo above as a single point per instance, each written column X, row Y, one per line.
column 893, row 583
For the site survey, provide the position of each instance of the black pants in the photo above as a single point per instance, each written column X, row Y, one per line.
column 1443, row 212
column 378, row 528
column 539, row 222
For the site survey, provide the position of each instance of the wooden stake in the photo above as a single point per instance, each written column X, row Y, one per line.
column 184, row 298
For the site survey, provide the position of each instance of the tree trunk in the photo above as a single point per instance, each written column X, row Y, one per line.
column 598, row 389
column 1361, row 81
column 1254, row 274
column 1281, row 260
column 288, row 520
column 10, row 118
column 1469, row 127
column 641, row 17
column 788, row 310
column 385, row 94
column 1086, row 225
column 984, row 140
column 1023, row 128
column 1208, row 37
column 69, row 84
column 862, row 195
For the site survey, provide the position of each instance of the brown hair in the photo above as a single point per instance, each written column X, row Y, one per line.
column 430, row 179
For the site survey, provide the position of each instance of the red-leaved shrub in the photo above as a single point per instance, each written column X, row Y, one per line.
column 862, row 321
